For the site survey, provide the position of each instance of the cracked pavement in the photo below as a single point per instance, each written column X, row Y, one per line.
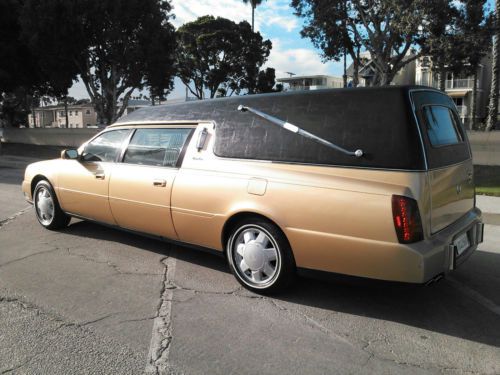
column 95, row 300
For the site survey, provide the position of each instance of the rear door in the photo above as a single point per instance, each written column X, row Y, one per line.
column 448, row 156
column 141, row 185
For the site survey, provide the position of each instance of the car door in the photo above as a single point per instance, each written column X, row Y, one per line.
column 141, row 185
column 83, row 184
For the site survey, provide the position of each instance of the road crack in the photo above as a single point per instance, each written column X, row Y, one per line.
column 13, row 217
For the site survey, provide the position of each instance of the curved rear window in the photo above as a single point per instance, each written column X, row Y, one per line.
column 442, row 127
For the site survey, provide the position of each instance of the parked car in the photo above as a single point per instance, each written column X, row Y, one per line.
column 371, row 182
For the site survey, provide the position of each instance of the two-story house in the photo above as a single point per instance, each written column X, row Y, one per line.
column 54, row 116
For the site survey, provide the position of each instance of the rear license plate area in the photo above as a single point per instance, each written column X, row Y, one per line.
column 461, row 244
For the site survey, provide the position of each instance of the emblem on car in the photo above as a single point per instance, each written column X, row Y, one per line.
column 459, row 189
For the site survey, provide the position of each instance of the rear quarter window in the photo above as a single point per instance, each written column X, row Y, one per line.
column 442, row 126
column 445, row 140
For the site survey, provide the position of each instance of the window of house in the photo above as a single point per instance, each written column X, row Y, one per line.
column 76, row 113
column 442, row 126
column 71, row 113
column 87, row 112
column 159, row 147
column 105, row 147
column 61, row 114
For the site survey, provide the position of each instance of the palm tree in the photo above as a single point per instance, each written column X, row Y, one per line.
column 493, row 107
column 254, row 4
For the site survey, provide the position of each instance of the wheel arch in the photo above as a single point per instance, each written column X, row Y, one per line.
column 237, row 217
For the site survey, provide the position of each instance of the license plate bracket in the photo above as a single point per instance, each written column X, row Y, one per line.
column 461, row 244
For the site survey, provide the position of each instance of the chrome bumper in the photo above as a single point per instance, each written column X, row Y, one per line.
column 440, row 254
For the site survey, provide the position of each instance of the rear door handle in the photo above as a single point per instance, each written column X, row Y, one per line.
column 160, row 183
column 100, row 176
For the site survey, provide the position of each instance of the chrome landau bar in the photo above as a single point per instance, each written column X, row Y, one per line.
column 295, row 129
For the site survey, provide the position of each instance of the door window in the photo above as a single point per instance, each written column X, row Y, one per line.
column 105, row 147
column 158, row 147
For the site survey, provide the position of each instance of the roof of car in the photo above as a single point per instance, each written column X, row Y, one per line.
column 218, row 110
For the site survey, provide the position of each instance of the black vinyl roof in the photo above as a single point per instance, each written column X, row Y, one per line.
column 378, row 120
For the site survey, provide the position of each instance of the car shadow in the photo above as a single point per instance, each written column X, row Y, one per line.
column 447, row 307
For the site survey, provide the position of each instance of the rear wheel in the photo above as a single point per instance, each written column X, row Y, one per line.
column 260, row 256
column 47, row 209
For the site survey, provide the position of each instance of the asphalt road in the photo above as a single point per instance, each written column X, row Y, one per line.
column 94, row 300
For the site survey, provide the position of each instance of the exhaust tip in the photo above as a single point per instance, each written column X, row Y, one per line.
column 434, row 280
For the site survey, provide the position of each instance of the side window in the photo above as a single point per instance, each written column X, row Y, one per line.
column 158, row 147
column 442, row 126
column 105, row 147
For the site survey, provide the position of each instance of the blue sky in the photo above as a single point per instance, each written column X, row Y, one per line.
column 274, row 20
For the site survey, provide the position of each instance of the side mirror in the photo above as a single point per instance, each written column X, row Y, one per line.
column 69, row 154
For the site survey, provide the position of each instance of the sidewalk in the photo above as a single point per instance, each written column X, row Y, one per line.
column 490, row 207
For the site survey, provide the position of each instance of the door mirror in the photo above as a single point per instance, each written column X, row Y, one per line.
column 69, row 154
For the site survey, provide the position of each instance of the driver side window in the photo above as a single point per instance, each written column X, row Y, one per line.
column 106, row 147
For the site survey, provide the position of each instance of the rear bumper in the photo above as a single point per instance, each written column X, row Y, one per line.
column 440, row 255
column 390, row 261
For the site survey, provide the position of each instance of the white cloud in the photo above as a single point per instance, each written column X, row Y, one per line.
column 301, row 61
column 268, row 13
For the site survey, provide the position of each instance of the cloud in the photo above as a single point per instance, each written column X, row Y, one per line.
column 301, row 61
column 269, row 13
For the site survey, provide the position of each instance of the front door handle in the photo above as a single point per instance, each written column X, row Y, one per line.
column 100, row 176
column 160, row 183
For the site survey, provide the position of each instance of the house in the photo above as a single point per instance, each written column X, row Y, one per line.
column 421, row 72
column 54, row 116
column 460, row 87
column 315, row 82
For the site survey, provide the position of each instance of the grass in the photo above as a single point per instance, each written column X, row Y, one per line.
column 487, row 179
column 488, row 190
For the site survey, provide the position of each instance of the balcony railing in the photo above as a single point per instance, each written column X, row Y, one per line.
column 453, row 84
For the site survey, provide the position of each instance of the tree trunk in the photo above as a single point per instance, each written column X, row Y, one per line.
column 442, row 78
column 253, row 17
column 493, row 106
column 66, row 109
column 473, row 105
column 344, row 77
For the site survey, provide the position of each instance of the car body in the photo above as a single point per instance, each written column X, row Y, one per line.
column 274, row 201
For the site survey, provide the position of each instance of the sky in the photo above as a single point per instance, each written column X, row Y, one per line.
column 274, row 19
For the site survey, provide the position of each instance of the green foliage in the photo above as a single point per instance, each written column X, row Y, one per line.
column 388, row 29
column 266, row 81
column 220, row 56
column 115, row 46
column 20, row 74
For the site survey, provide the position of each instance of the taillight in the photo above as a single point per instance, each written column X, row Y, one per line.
column 406, row 219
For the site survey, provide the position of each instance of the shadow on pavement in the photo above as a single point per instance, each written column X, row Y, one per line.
column 441, row 308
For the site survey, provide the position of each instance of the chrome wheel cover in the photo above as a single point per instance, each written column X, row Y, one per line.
column 255, row 256
column 44, row 204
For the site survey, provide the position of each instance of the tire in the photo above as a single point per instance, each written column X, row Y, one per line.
column 47, row 209
column 260, row 256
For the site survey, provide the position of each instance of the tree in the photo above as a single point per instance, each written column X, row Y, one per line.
column 220, row 56
column 495, row 80
column 474, row 41
column 53, row 43
column 254, row 4
column 116, row 46
column 387, row 29
column 20, row 75
column 266, row 81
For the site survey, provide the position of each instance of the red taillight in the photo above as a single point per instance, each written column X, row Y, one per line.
column 406, row 219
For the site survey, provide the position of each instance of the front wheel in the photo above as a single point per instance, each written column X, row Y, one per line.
column 260, row 256
column 47, row 209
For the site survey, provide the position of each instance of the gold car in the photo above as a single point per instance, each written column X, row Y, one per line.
column 373, row 182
